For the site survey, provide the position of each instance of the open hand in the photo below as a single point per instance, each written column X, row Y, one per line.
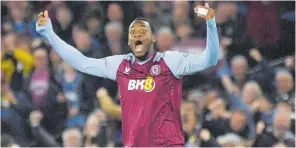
column 204, row 12
column 255, row 54
column 205, row 135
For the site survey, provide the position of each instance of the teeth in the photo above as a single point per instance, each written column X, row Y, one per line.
column 139, row 48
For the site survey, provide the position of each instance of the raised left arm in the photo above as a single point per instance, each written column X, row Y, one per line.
column 185, row 64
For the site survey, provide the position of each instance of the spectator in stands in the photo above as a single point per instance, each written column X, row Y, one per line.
column 165, row 39
column 184, row 32
column 236, row 103
column 45, row 92
column 115, row 13
column 70, row 82
column 237, row 124
column 95, row 130
column 14, row 109
column 72, row 138
column 57, row 66
column 63, row 23
column 115, row 44
column 263, row 109
column 41, row 135
column 279, row 132
column 113, row 110
column 85, row 43
column 251, row 92
column 90, row 48
column 239, row 68
column 180, row 14
column 94, row 21
column 154, row 15
column 211, row 117
column 285, row 87
column 18, row 13
column 188, row 117
column 17, row 61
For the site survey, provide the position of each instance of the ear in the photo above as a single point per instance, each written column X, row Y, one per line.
column 153, row 39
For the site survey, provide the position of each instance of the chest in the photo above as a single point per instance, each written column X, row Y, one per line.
column 150, row 77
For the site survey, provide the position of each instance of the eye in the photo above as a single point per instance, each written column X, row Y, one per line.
column 143, row 31
column 132, row 32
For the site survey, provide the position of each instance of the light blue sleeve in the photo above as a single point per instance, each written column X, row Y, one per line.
column 105, row 67
column 185, row 64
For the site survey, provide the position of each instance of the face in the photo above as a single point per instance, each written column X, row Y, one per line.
column 114, row 12
column 211, row 96
column 92, row 126
column 165, row 41
column 141, row 38
column 64, row 15
column 40, row 57
column 81, row 39
column 184, row 31
column 9, row 41
column 249, row 95
column 284, row 83
column 238, row 120
column 239, row 69
column 113, row 34
column 93, row 24
column 149, row 8
column 281, row 123
column 217, row 107
column 72, row 139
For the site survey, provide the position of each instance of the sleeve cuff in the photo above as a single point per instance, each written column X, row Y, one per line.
column 211, row 21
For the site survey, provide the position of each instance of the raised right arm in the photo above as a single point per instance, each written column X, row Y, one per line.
column 106, row 67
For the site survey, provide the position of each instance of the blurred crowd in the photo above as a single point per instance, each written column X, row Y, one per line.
column 247, row 100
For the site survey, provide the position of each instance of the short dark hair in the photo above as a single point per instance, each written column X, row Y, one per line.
column 144, row 19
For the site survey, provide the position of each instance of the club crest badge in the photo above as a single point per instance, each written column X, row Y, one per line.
column 155, row 70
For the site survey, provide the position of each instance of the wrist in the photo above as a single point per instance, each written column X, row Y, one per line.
column 211, row 20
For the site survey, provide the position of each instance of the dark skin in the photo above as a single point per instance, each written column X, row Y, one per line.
column 140, row 30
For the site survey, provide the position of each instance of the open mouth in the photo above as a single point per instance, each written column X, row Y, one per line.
column 138, row 45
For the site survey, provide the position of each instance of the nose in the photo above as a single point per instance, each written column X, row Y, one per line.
column 138, row 35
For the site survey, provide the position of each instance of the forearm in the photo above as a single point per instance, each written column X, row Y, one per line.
column 209, row 57
column 212, row 47
column 110, row 107
column 44, row 137
column 227, row 84
column 67, row 52
column 187, row 64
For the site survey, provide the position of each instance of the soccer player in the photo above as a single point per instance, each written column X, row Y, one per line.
column 150, row 82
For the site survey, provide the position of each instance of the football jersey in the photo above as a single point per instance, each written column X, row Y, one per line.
column 150, row 91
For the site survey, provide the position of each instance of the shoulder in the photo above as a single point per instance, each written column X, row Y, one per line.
column 118, row 57
column 174, row 54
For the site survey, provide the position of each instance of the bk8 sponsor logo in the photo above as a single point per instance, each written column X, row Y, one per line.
column 146, row 85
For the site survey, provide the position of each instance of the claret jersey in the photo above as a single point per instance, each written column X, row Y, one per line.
column 150, row 91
